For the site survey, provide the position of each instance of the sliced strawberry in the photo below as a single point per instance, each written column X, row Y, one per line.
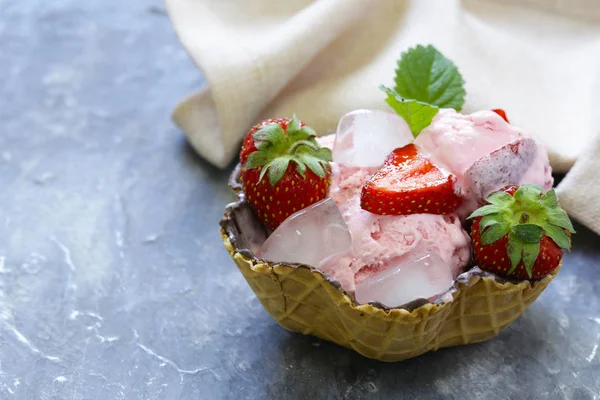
column 520, row 233
column 409, row 183
column 501, row 113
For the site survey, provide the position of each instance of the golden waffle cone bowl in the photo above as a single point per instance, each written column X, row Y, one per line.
column 303, row 299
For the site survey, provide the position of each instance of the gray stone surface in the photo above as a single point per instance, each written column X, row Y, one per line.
column 113, row 280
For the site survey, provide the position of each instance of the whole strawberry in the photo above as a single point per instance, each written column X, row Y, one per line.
column 522, row 232
column 283, row 169
column 248, row 146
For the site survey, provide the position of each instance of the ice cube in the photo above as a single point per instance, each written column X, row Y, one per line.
column 308, row 236
column 502, row 167
column 365, row 137
column 420, row 277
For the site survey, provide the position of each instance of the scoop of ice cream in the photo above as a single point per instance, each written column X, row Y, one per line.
column 456, row 142
column 379, row 241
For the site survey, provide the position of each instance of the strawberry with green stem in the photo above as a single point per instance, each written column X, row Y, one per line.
column 522, row 232
column 283, row 169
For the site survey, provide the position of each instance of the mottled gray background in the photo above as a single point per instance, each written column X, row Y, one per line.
column 114, row 283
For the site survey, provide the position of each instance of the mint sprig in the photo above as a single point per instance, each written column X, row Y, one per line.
column 424, row 74
column 425, row 81
column 417, row 114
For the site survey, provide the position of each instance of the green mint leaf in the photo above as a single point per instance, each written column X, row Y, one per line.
column 424, row 74
column 417, row 114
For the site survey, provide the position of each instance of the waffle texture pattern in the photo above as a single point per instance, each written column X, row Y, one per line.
column 302, row 299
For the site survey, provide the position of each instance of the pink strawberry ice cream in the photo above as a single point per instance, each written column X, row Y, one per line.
column 482, row 150
column 457, row 142
column 379, row 241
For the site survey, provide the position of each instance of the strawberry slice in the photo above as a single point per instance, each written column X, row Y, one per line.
column 501, row 113
column 408, row 183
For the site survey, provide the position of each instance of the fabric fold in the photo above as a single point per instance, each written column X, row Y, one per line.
column 245, row 72
column 320, row 59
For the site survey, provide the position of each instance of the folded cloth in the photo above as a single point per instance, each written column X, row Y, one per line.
column 538, row 60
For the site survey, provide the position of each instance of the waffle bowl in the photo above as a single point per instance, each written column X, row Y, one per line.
column 303, row 299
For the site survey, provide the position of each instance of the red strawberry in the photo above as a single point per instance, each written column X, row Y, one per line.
column 297, row 167
column 248, row 146
column 501, row 113
column 408, row 183
column 521, row 232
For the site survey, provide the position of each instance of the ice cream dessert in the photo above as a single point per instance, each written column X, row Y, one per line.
column 402, row 232
column 485, row 153
column 419, row 252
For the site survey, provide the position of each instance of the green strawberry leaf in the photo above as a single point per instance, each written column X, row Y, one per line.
column 268, row 136
column 557, row 216
column 277, row 147
column 528, row 233
column 489, row 220
column 530, row 254
column 486, row 210
column 559, row 236
column 300, row 166
column 293, row 125
column 256, row 159
column 549, row 199
column 529, row 216
column 324, row 153
column 277, row 168
column 312, row 163
column 493, row 233
column 425, row 75
column 515, row 252
column 500, row 199
column 417, row 115
column 528, row 192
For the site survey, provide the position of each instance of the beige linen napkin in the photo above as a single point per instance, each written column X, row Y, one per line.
column 537, row 59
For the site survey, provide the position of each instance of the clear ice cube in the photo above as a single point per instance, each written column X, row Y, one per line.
column 309, row 236
column 365, row 137
column 420, row 277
